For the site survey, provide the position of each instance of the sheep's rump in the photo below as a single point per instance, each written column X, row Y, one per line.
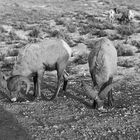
column 103, row 61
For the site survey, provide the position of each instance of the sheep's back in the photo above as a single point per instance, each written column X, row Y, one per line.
column 103, row 61
column 33, row 57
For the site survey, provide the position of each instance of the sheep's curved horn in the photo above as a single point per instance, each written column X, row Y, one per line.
column 103, row 94
column 6, row 77
column 14, row 79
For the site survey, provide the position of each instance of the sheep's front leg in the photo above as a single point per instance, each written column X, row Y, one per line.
column 38, row 84
column 38, row 88
column 35, row 77
column 60, row 76
column 65, row 77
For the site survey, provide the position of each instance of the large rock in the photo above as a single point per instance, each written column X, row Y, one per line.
column 10, row 129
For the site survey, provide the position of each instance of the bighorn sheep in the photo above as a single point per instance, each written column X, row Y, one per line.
column 48, row 55
column 111, row 15
column 131, row 15
column 102, row 66
column 124, row 15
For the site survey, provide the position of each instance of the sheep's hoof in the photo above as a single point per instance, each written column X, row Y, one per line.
column 37, row 99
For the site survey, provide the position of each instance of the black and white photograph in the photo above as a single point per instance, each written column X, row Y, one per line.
column 69, row 69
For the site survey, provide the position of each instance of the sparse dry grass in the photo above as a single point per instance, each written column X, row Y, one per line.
column 66, row 117
column 126, row 63
column 71, row 28
column 125, row 50
column 126, row 30
column 34, row 33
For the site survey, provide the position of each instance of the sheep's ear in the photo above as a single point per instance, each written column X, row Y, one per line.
column 5, row 77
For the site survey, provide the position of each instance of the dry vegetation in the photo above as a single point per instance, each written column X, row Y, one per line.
column 79, row 23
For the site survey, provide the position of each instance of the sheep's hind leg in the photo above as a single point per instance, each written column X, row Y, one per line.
column 65, row 76
column 60, row 76
column 103, row 87
column 38, row 84
column 110, row 96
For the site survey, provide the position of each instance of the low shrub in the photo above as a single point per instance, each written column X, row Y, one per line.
column 125, row 30
column 125, row 50
column 126, row 63
column 34, row 33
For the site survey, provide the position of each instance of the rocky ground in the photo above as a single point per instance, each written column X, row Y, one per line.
column 80, row 23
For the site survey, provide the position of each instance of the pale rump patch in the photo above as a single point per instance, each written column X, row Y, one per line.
column 66, row 46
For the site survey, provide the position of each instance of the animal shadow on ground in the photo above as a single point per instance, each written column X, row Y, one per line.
column 68, row 94
column 117, row 102
column 10, row 129
column 49, row 89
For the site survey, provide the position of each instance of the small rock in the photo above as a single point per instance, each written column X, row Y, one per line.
column 55, row 126
column 14, row 99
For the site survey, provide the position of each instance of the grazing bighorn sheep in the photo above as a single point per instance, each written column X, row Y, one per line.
column 102, row 66
column 124, row 15
column 131, row 15
column 48, row 55
column 111, row 15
